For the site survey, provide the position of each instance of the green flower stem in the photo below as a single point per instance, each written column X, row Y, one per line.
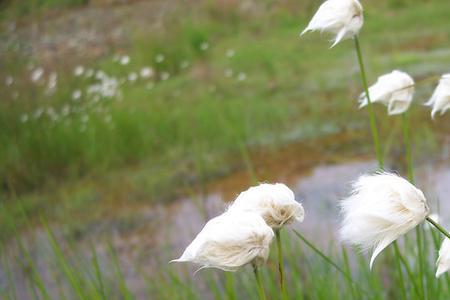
column 410, row 275
column 399, row 268
column 280, row 264
column 407, row 141
column 438, row 227
column 373, row 123
column 410, row 172
column 229, row 283
column 261, row 292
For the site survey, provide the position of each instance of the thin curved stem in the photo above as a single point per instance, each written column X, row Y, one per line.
column 280, row 264
column 261, row 292
column 400, row 272
column 438, row 227
column 373, row 123
column 408, row 148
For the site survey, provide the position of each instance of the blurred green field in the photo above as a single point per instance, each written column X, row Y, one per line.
column 218, row 84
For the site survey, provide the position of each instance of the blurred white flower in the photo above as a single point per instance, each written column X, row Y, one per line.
column 395, row 90
column 37, row 74
column 9, row 80
column 76, row 95
column 146, row 72
column 52, row 81
column 159, row 58
column 241, row 76
column 443, row 261
column 184, row 64
column 38, row 113
column 230, row 53
column 89, row 73
column 165, row 75
column 229, row 242
column 440, row 100
column 78, row 71
column 381, row 208
column 24, row 118
column 100, row 75
column 65, row 110
column 132, row 77
column 125, row 60
column 84, row 118
column 275, row 203
column 344, row 18
column 228, row 73
column 204, row 46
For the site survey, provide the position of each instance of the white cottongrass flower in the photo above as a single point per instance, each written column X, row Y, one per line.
column 230, row 53
column 443, row 261
column 275, row 203
column 76, row 95
column 165, row 75
column 241, row 76
column 160, row 58
column 23, row 118
column 204, row 46
column 440, row 100
column 37, row 74
column 229, row 242
column 381, row 208
column 124, row 60
column 184, row 64
column 344, row 18
column 395, row 90
column 9, row 80
column 132, row 77
column 228, row 72
column 78, row 71
column 146, row 72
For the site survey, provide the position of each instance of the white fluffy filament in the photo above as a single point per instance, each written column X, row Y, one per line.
column 395, row 90
column 440, row 100
column 344, row 18
column 230, row 241
column 443, row 261
column 381, row 208
column 275, row 203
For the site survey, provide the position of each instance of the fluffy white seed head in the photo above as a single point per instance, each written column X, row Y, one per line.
column 395, row 90
column 440, row 100
column 229, row 242
column 275, row 203
column 443, row 261
column 343, row 18
column 381, row 208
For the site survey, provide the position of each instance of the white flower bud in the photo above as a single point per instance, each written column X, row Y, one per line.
column 443, row 261
column 382, row 207
column 275, row 203
column 229, row 242
column 395, row 90
column 440, row 100
column 344, row 18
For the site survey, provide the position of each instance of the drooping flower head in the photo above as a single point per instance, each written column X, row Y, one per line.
column 443, row 261
column 381, row 208
column 344, row 18
column 395, row 90
column 230, row 241
column 440, row 100
column 275, row 203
